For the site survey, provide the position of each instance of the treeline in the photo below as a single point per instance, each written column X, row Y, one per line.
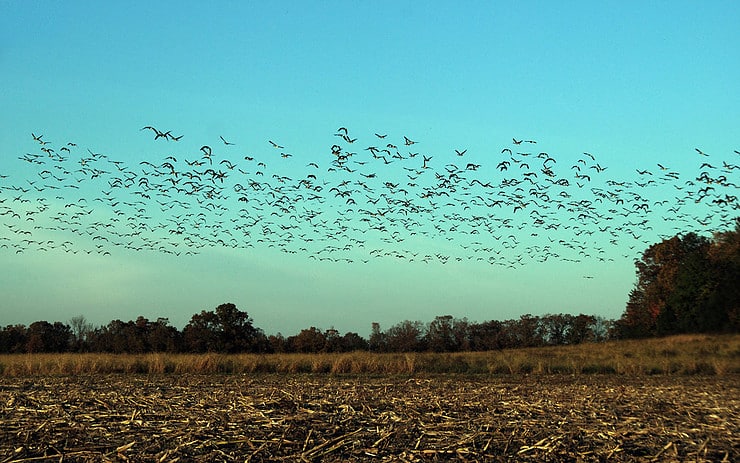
column 448, row 334
column 229, row 330
column 686, row 284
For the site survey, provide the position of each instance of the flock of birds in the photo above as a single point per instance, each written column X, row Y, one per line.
column 356, row 201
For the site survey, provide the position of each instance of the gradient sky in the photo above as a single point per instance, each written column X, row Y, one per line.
column 634, row 83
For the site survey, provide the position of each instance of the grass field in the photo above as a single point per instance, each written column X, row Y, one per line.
column 683, row 355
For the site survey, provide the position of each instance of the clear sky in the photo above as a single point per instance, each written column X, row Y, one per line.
column 312, row 234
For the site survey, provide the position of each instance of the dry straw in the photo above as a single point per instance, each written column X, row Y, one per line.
column 309, row 417
column 677, row 355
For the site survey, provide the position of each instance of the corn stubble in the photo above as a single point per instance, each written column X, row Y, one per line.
column 674, row 399
column 276, row 417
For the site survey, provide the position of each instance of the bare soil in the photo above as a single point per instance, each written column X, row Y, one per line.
column 191, row 418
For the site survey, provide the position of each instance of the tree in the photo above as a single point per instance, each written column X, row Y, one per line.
column 377, row 341
column 686, row 306
column 685, row 284
column 440, row 335
column 13, row 339
column 162, row 337
column 724, row 256
column 47, row 337
column 203, row 333
column 81, row 330
column 636, row 322
column 581, row 329
column 227, row 329
column 602, row 329
column 332, row 341
column 657, row 276
column 238, row 334
column 352, row 341
column 406, row 336
column 527, row 331
column 556, row 328
column 461, row 333
column 448, row 334
column 277, row 343
column 309, row 340
column 487, row 336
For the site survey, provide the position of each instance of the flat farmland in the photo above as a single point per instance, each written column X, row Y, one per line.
column 299, row 417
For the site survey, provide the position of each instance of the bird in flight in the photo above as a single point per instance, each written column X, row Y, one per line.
column 391, row 208
column 158, row 133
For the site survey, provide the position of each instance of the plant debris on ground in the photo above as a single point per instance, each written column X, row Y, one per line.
column 203, row 418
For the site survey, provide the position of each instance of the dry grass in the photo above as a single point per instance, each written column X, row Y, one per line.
column 298, row 417
column 681, row 355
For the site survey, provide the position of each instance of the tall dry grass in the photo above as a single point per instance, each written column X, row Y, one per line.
column 679, row 355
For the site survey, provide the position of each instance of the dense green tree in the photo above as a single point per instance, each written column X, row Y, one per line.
column 656, row 280
column 724, row 256
column 685, row 284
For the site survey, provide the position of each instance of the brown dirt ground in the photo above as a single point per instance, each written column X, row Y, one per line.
column 359, row 418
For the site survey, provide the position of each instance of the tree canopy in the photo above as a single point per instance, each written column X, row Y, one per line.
column 686, row 283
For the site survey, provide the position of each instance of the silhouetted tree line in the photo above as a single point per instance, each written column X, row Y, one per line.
column 448, row 334
column 686, row 284
column 229, row 330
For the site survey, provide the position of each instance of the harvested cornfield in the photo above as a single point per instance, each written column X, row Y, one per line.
column 199, row 418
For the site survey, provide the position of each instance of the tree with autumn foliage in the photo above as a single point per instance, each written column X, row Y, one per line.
column 685, row 284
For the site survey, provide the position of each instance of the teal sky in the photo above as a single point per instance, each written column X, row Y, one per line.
column 634, row 84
